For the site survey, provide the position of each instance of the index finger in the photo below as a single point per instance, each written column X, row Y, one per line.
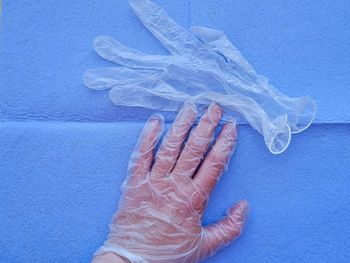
column 142, row 156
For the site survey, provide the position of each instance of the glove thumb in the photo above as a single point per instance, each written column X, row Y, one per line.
column 226, row 230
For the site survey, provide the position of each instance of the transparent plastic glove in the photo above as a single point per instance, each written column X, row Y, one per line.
column 160, row 212
column 203, row 65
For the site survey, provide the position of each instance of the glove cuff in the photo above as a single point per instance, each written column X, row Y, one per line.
column 122, row 252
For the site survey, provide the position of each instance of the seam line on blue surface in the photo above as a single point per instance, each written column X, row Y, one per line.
column 137, row 121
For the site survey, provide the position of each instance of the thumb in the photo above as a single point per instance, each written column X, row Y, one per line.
column 224, row 231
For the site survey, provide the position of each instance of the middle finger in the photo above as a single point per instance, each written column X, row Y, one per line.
column 198, row 142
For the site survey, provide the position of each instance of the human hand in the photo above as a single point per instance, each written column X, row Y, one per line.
column 160, row 212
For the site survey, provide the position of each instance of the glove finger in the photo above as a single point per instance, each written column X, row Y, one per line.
column 172, row 143
column 151, row 93
column 175, row 38
column 107, row 78
column 142, row 156
column 112, row 50
column 198, row 142
column 217, row 159
column 224, row 231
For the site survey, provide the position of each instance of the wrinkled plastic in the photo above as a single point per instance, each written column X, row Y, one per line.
column 160, row 212
column 203, row 65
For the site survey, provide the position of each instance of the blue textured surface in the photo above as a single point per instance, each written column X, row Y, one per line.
column 60, row 180
column 61, row 186
column 46, row 46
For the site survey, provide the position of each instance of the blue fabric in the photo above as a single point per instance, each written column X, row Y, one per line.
column 46, row 46
column 60, row 185
column 64, row 149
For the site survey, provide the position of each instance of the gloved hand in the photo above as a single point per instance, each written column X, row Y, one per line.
column 206, row 67
column 160, row 212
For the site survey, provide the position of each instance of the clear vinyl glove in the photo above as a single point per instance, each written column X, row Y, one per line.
column 160, row 212
column 204, row 66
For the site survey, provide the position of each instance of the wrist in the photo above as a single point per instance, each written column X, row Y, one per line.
column 109, row 257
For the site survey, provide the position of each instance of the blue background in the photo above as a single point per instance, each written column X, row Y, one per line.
column 64, row 148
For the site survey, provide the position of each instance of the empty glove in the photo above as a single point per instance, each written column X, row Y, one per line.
column 203, row 66
column 160, row 212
